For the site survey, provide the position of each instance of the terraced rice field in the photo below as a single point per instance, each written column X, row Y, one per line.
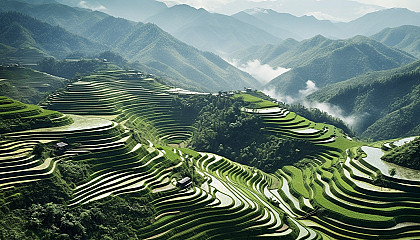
column 126, row 97
column 341, row 193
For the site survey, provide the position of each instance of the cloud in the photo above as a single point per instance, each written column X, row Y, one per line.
column 353, row 120
column 95, row 7
column 310, row 88
column 262, row 72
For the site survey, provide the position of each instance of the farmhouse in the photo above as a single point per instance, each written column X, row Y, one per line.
column 184, row 183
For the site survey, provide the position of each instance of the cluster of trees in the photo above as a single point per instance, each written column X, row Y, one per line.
column 408, row 155
column 74, row 69
column 222, row 128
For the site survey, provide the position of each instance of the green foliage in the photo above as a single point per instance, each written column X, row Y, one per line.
column 222, row 128
column 387, row 102
column 408, row 155
column 21, row 31
column 71, row 69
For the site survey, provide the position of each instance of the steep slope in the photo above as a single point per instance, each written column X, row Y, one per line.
column 74, row 20
column 168, row 57
column 210, row 31
column 266, row 54
column 325, row 61
column 406, row 38
column 23, row 32
column 388, row 101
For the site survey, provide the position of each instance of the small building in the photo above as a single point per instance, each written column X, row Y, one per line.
column 60, row 146
column 184, row 183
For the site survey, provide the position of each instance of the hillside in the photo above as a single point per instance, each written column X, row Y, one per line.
column 210, row 31
column 74, row 20
column 265, row 53
column 24, row 33
column 27, row 85
column 113, row 181
column 406, row 38
column 387, row 101
column 16, row 116
column 325, row 61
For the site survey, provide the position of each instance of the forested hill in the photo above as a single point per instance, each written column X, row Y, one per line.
column 406, row 38
column 325, row 61
column 27, row 35
column 387, row 101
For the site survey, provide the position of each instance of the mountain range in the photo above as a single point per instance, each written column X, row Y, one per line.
column 155, row 50
column 406, row 38
column 323, row 61
column 386, row 102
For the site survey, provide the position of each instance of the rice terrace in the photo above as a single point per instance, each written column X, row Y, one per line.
column 94, row 146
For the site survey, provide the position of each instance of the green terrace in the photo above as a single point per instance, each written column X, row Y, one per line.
column 342, row 191
column 127, row 97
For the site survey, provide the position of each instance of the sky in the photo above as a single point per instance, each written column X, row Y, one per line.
column 335, row 10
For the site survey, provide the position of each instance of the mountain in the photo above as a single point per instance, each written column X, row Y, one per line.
column 154, row 50
column 25, row 33
column 74, row 20
column 325, row 61
column 406, row 38
column 210, row 31
column 264, row 53
column 273, row 29
column 387, row 102
column 287, row 25
column 374, row 22
column 134, row 10
column 162, row 54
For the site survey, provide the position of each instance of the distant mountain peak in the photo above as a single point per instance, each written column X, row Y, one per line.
column 255, row 11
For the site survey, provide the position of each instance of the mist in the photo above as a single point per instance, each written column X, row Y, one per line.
column 264, row 73
column 352, row 120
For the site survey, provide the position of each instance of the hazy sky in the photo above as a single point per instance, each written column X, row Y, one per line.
column 338, row 10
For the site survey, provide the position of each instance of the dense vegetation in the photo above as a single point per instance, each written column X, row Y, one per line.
column 408, row 155
column 406, row 38
column 23, row 32
column 223, row 128
column 387, row 101
column 326, row 61
column 75, row 68
column 27, row 214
